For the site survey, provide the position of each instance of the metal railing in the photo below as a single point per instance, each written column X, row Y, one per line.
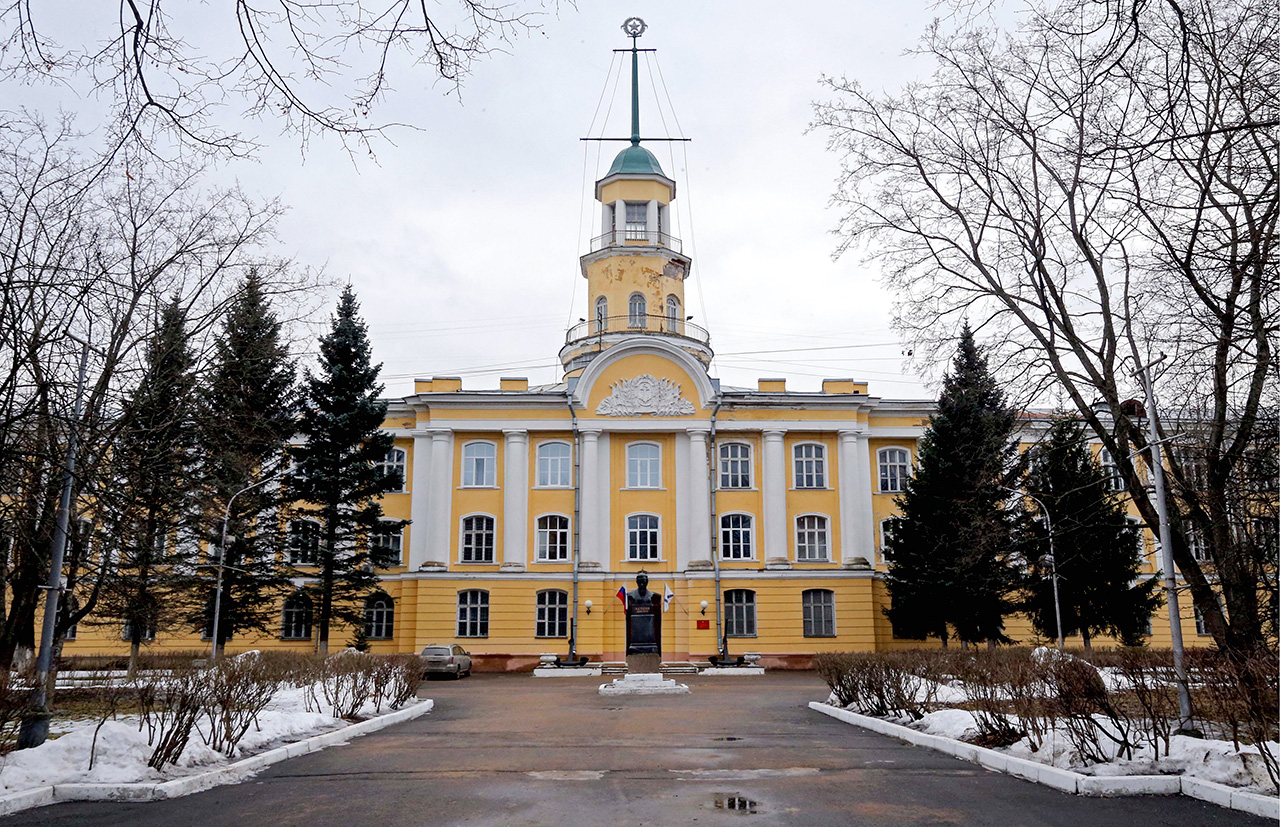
column 637, row 323
column 635, row 237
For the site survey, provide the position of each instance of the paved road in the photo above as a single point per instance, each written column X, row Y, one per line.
column 515, row 750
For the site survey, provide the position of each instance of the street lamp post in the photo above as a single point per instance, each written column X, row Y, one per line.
column 1050, row 558
column 222, row 559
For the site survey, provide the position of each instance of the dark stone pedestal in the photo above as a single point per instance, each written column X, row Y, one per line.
column 639, row 664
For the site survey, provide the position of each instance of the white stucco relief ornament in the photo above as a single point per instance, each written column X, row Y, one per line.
column 644, row 394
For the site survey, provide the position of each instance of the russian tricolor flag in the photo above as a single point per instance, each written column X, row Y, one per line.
column 622, row 595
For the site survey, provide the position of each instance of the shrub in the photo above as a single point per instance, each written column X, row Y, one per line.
column 239, row 688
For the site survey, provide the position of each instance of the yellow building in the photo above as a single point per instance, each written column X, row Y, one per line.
column 759, row 510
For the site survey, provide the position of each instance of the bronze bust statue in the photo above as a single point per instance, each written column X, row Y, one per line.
column 644, row 626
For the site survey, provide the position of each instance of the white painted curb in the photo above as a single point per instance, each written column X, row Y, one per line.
column 1066, row 780
column 230, row 774
column 567, row 672
column 731, row 670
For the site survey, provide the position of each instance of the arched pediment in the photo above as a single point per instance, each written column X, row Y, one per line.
column 644, row 378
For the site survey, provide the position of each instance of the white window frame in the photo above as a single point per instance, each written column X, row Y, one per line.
column 397, row 459
column 1196, row 544
column 633, row 466
column 542, row 538
column 396, row 535
column 295, row 555
column 814, row 466
column 601, row 318
column 1110, row 471
column 379, row 621
column 1142, row 540
column 479, row 467
column 726, row 463
column 633, row 227
column 825, row 536
column 463, row 532
column 809, row 613
column 904, row 467
column 632, row 535
column 286, row 626
column 675, row 320
column 741, row 613
column 473, row 615
column 737, row 542
column 551, row 619
column 549, row 462
column 884, row 534
column 637, row 311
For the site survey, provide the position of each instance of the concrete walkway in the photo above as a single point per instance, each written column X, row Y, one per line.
column 512, row 749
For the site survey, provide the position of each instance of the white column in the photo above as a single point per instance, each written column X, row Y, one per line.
column 515, row 501
column 699, row 499
column 774, row 491
column 589, row 499
column 852, row 487
column 439, row 500
column 604, row 496
column 419, row 502
column 651, row 221
column 683, row 505
column 619, row 221
column 865, row 527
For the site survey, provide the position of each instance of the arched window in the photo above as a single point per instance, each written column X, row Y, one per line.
column 304, row 542
column 636, row 313
column 379, row 617
column 602, row 315
column 386, row 544
column 810, row 465
column 674, row 319
column 295, row 620
column 555, row 465
column 642, row 537
column 552, row 618
column 476, row 544
column 740, row 613
column 393, row 464
column 811, row 538
column 735, row 537
column 886, row 532
column 894, row 469
column 553, row 538
column 644, row 465
column 479, row 464
column 819, row 609
column 735, row 465
column 1115, row 481
column 473, row 613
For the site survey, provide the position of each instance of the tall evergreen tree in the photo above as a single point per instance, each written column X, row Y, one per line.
column 150, row 507
column 337, row 478
column 948, row 551
column 1097, row 552
column 248, row 412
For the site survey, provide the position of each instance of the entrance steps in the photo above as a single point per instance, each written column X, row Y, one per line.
column 613, row 668
column 679, row 668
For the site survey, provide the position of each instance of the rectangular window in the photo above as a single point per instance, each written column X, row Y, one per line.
column 637, row 220
column 555, row 465
column 644, row 465
column 1195, row 542
column 819, row 609
column 740, row 613
column 385, row 546
column 1110, row 471
column 810, row 462
column 552, row 618
column 479, row 465
column 811, row 538
column 473, row 613
column 735, row 537
column 477, row 539
column 553, row 538
column 735, row 465
column 304, row 545
column 642, row 537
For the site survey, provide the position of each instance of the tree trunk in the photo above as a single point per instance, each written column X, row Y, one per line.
column 135, row 645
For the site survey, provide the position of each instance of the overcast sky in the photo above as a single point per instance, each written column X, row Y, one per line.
column 462, row 238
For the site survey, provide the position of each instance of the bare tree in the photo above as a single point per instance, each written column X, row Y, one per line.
column 1095, row 189
column 317, row 66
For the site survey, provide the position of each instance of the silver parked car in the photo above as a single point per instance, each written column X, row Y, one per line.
column 446, row 660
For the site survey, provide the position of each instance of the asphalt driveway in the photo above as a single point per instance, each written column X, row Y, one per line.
column 513, row 749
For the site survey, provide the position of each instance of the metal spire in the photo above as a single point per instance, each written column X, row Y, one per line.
column 634, row 27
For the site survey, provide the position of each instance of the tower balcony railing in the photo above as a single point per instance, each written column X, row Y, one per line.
column 637, row 323
column 635, row 236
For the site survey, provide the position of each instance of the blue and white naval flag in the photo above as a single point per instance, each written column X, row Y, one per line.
column 667, row 597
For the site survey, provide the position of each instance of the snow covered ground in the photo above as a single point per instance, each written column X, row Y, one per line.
column 121, row 752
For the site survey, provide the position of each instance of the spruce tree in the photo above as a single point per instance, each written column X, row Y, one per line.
column 248, row 412
column 948, row 550
column 337, row 479
column 1096, row 550
column 150, row 506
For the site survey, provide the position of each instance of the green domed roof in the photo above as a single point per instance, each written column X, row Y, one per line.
column 635, row 160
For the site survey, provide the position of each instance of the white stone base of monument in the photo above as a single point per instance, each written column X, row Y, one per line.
column 731, row 670
column 567, row 672
column 644, row 683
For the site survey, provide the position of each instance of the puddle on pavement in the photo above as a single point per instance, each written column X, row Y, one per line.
column 735, row 803
column 726, row 738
